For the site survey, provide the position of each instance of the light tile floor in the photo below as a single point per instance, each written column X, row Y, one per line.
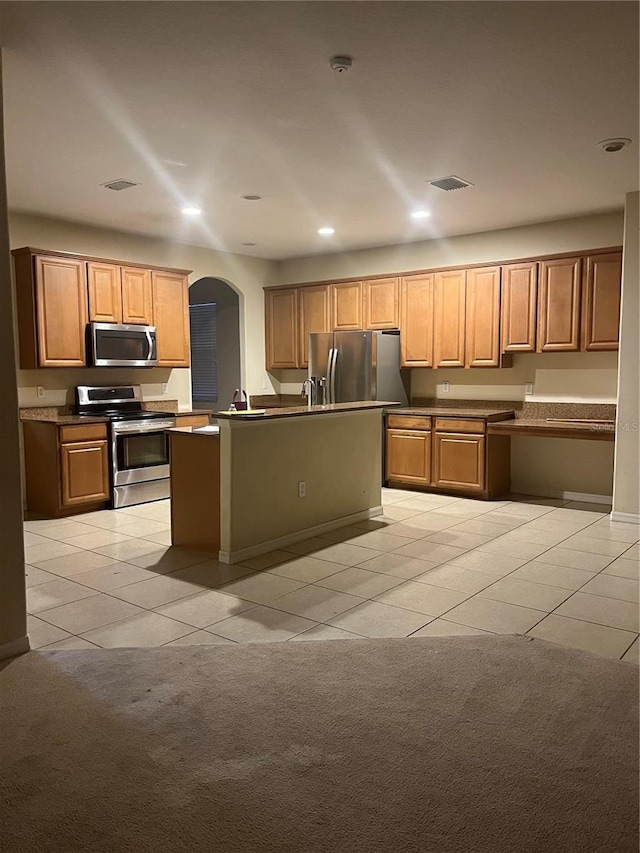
column 431, row 565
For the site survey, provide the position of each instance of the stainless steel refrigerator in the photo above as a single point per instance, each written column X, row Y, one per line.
column 349, row 366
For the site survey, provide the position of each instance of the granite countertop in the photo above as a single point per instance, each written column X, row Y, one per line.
column 51, row 415
column 203, row 430
column 544, row 428
column 295, row 411
column 64, row 419
column 436, row 411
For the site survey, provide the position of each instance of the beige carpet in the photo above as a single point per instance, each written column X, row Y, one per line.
column 434, row 745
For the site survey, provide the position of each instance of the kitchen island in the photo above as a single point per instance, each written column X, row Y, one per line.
column 260, row 481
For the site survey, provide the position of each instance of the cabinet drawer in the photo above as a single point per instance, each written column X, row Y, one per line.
column 192, row 421
column 459, row 425
column 83, row 432
column 408, row 422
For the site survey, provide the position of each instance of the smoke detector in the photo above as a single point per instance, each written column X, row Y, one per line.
column 611, row 146
column 120, row 184
column 341, row 64
column 451, row 182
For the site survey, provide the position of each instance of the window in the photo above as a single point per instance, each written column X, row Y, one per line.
column 204, row 366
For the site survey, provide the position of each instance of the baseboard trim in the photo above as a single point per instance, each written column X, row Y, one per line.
column 584, row 497
column 298, row 536
column 626, row 517
column 14, row 648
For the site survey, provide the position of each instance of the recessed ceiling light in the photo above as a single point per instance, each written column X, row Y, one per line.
column 612, row 146
column 249, row 243
column 420, row 214
column 191, row 211
column 250, row 197
column 326, row 232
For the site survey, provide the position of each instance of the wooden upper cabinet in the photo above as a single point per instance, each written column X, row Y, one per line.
column 482, row 317
column 171, row 318
column 281, row 328
column 449, row 318
column 416, row 321
column 314, row 315
column 601, row 302
column 61, row 311
column 381, row 303
column 346, row 306
column 137, row 296
column 559, row 305
column 519, row 307
column 105, row 293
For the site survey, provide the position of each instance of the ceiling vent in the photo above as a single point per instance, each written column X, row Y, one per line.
column 119, row 185
column 450, row 183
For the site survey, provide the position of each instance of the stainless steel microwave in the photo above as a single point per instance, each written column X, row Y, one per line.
column 121, row 345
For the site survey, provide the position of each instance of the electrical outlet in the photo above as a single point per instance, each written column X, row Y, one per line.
column 265, row 385
column 528, row 389
column 165, row 387
column 445, row 387
column 302, row 489
column 40, row 391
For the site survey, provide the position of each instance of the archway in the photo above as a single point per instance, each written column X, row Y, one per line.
column 223, row 328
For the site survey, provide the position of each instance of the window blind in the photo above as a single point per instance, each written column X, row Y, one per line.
column 204, row 365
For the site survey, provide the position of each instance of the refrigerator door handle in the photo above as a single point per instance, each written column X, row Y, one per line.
column 333, row 358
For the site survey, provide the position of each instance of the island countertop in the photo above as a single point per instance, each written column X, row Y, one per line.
column 296, row 411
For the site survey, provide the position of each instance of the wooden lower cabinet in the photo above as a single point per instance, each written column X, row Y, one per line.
column 85, row 472
column 192, row 420
column 408, row 456
column 66, row 467
column 446, row 454
column 459, row 461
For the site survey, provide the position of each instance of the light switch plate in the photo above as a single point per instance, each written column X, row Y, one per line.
column 40, row 391
column 445, row 387
column 165, row 387
column 528, row 389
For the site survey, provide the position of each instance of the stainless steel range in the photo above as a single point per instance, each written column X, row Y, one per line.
column 139, row 445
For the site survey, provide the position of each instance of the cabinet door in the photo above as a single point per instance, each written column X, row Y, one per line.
column 381, row 302
column 313, row 316
column 346, row 306
column 281, row 332
column 459, row 461
column 601, row 302
column 105, row 293
column 61, row 310
column 482, row 317
column 171, row 318
column 559, row 305
column 408, row 456
column 416, row 321
column 85, row 472
column 449, row 318
column 137, row 296
column 519, row 307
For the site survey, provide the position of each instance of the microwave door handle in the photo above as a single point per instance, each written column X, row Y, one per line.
column 150, row 343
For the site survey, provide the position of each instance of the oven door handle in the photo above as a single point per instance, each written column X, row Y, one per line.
column 153, row 426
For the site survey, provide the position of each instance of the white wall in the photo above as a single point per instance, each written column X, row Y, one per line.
column 247, row 275
column 13, row 609
column 626, row 499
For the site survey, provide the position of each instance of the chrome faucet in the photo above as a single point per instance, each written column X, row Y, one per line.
column 307, row 390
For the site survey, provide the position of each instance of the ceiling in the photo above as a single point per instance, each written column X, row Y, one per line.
column 201, row 103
